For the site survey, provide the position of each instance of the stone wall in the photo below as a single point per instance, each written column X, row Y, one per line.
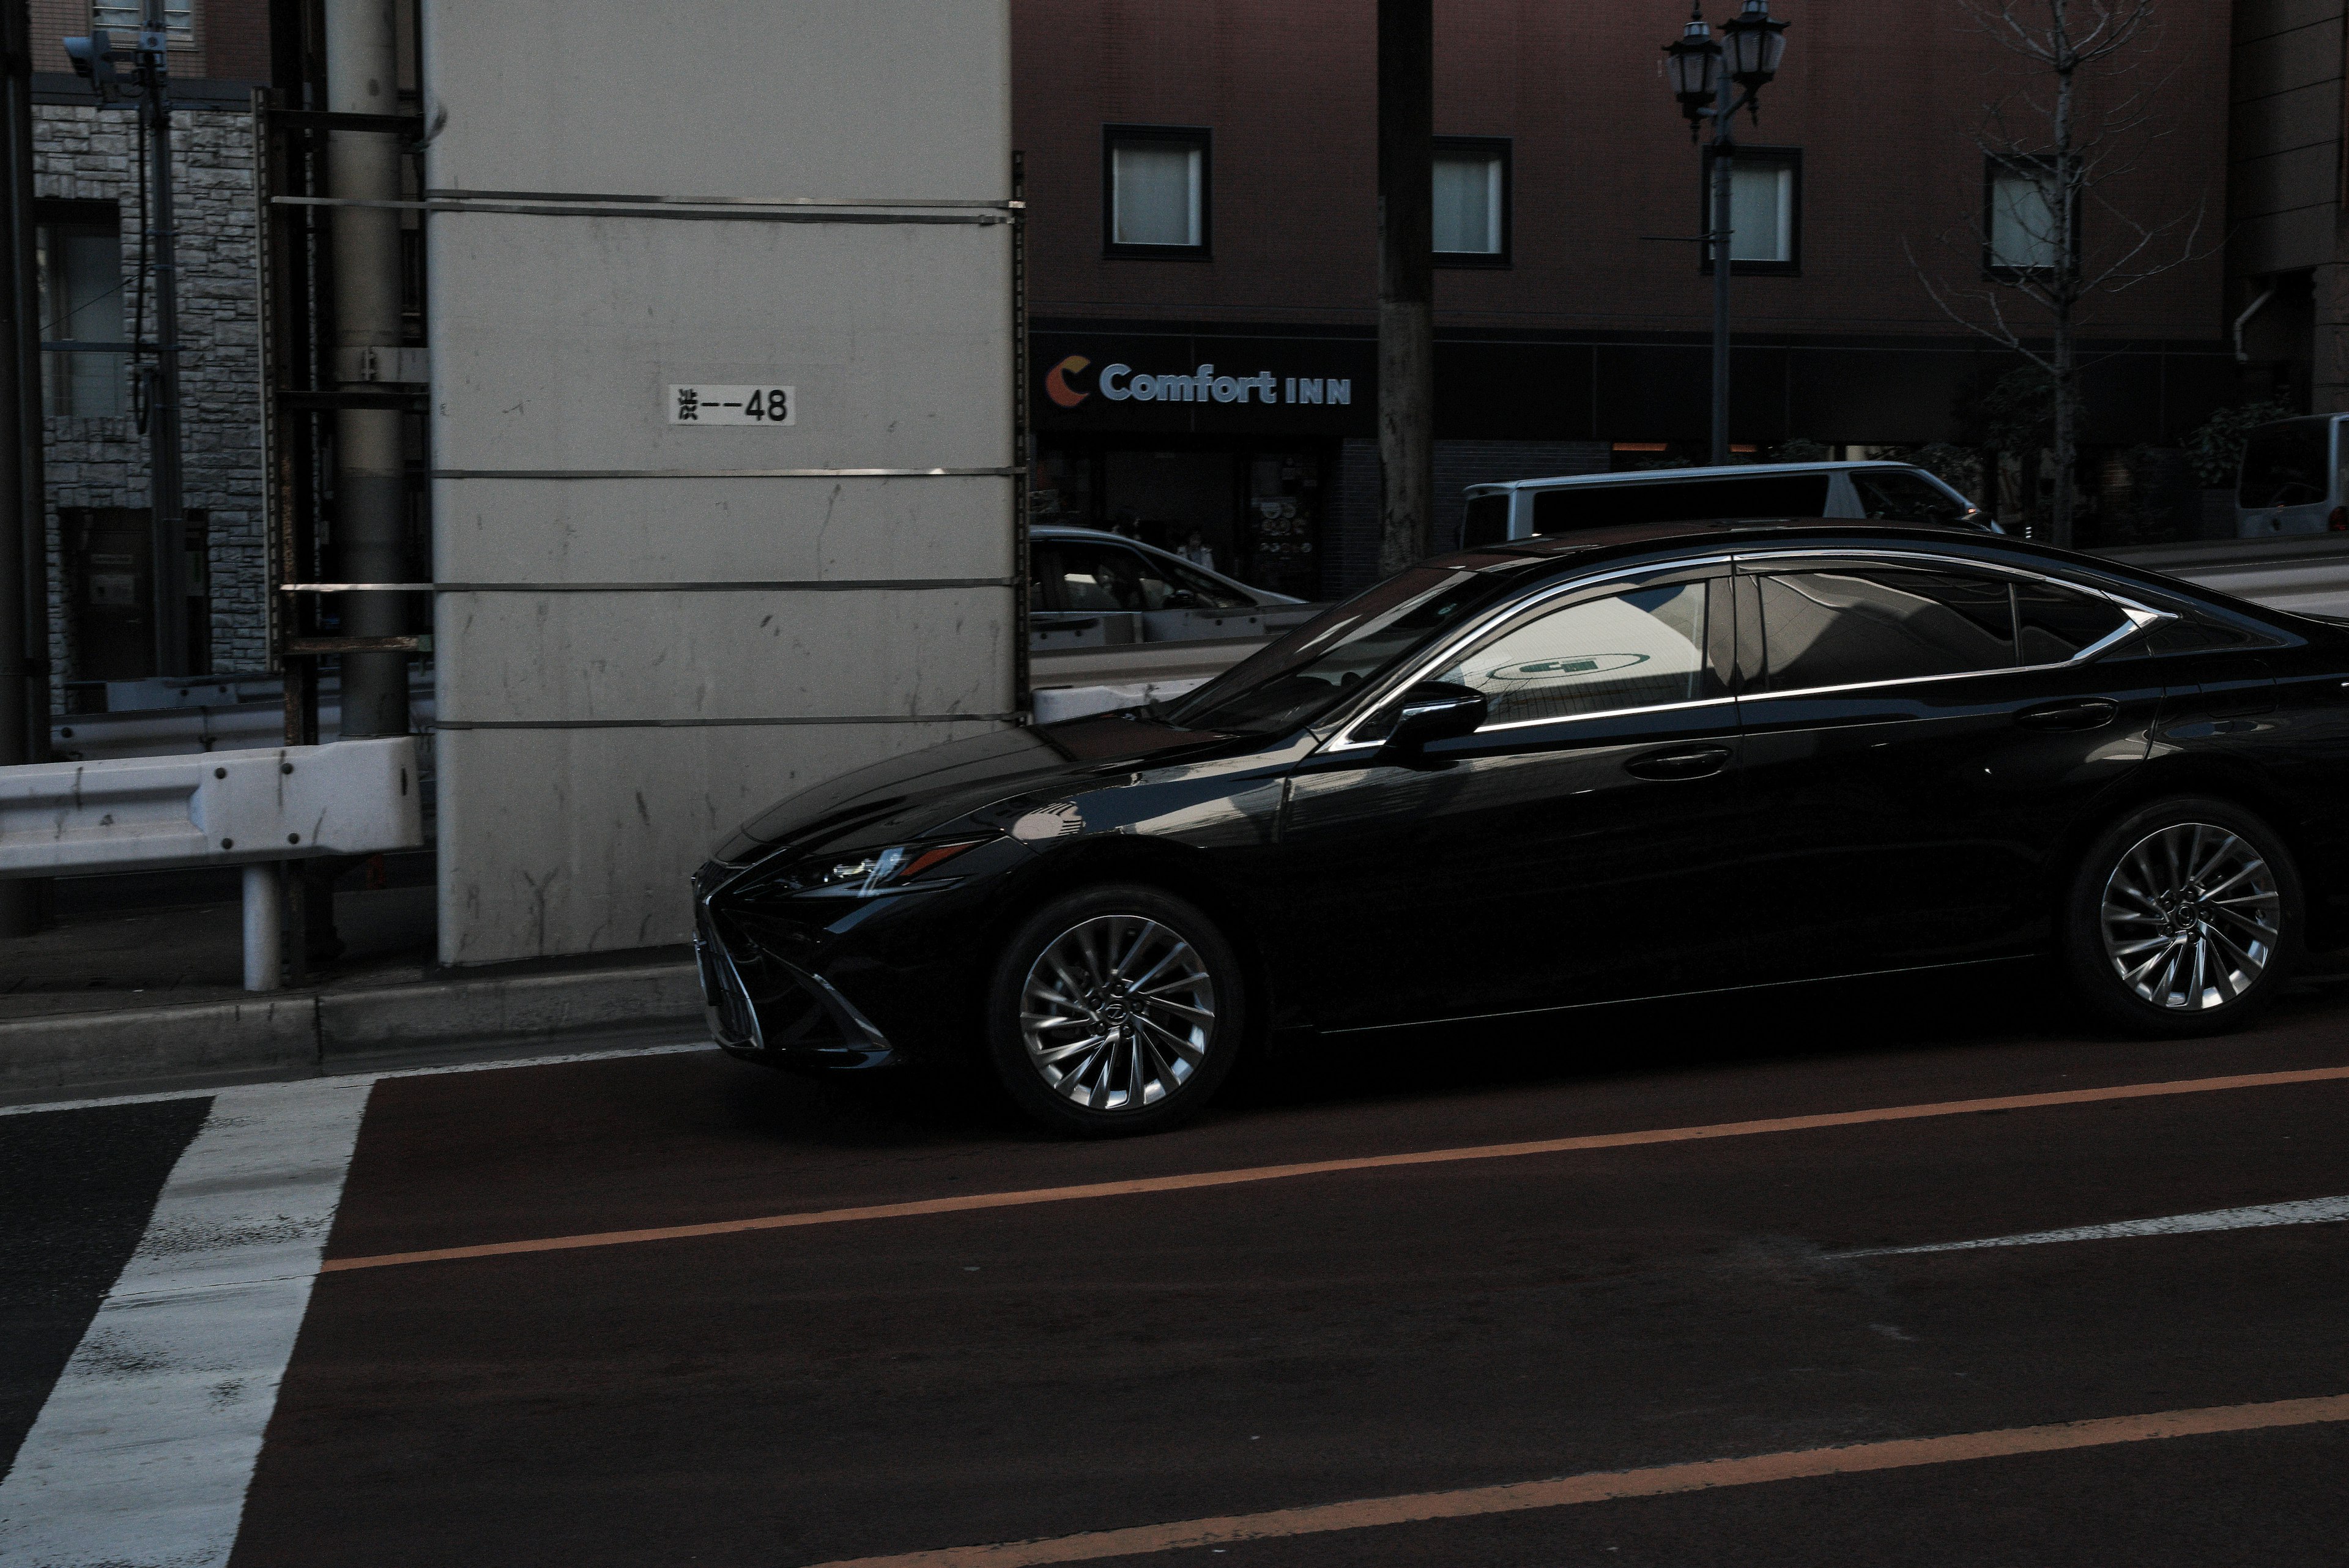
column 85, row 154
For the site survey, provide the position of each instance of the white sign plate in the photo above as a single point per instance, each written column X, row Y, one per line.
column 768, row 405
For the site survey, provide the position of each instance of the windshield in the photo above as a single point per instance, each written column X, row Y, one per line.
column 1303, row 675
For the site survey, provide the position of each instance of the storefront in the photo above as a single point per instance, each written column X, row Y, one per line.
column 1225, row 449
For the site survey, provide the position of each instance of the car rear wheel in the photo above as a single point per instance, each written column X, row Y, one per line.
column 2185, row 919
column 1114, row 1010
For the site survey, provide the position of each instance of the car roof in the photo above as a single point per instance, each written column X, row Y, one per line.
column 1588, row 546
column 1678, row 475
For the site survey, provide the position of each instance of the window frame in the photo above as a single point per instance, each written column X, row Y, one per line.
column 1792, row 159
column 1710, row 569
column 1752, row 682
column 1503, row 148
column 1994, row 165
column 125, row 35
column 1201, row 140
column 55, row 219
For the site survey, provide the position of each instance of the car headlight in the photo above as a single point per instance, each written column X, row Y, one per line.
column 861, row 874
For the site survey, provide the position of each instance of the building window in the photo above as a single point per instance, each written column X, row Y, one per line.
column 81, row 260
column 1472, row 201
column 1155, row 191
column 2021, row 216
column 124, row 17
column 1766, row 210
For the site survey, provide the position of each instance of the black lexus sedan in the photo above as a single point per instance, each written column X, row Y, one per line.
column 1636, row 762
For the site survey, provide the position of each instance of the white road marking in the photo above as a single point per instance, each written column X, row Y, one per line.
column 2311, row 1211
column 489, row 1064
column 141, row 1456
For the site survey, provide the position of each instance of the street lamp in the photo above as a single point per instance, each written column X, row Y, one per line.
column 1706, row 74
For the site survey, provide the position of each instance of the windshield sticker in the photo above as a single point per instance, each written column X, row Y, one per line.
column 1574, row 664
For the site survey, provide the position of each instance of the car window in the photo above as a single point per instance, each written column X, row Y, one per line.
column 1679, row 501
column 2284, row 465
column 1092, row 576
column 1632, row 649
column 1487, row 522
column 1846, row 625
column 1172, row 585
column 2055, row 624
column 1895, row 495
column 1296, row 678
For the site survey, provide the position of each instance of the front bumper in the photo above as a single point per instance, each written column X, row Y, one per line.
column 790, row 1017
column 832, row 982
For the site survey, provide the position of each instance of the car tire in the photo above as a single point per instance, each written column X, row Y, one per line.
column 2185, row 917
column 1114, row 1010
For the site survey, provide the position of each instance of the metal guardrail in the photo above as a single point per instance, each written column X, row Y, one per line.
column 253, row 809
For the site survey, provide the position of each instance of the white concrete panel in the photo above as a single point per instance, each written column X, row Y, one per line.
column 595, row 854
column 860, row 99
column 575, row 656
column 722, row 529
column 554, row 341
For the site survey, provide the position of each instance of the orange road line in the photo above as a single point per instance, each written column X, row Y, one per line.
column 1662, row 1480
column 967, row 1202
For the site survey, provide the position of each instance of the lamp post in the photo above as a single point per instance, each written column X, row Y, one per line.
column 1706, row 76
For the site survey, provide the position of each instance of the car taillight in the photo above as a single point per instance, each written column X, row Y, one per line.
column 2339, row 522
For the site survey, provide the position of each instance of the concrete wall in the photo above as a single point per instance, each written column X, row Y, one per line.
column 641, row 662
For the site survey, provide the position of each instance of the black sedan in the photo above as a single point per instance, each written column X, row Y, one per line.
column 1645, row 761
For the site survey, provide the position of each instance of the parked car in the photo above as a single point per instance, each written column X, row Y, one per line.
column 1883, row 492
column 1087, row 589
column 2290, row 480
column 1628, row 762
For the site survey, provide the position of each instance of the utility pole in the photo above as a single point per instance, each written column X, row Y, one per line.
column 166, row 490
column 1406, row 281
column 1724, row 160
column 370, row 533
column 24, row 691
column 95, row 57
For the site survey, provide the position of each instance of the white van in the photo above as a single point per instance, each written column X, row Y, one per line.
column 1898, row 492
column 2290, row 480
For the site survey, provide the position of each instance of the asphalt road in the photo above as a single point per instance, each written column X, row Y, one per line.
column 960, row 1368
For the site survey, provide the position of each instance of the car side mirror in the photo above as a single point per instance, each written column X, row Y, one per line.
column 1434, row 711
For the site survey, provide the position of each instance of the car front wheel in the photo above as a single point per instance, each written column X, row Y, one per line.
column 2185, row 919
column 1114, row 1010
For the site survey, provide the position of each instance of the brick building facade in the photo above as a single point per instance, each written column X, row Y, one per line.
column 1585, row 327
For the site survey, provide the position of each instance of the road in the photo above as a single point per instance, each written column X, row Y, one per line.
column 1674, row 1330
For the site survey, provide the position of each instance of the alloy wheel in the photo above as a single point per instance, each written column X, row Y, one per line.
column 2193, row 915
column 1117, row 1013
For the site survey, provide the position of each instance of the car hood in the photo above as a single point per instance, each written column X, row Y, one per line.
column 969, row 783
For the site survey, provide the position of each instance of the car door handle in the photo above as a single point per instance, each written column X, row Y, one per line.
column 2094, row 713
column 1691, row 763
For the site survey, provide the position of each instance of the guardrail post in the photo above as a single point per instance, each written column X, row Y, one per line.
column 260, row 927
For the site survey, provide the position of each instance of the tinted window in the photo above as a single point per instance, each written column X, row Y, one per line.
column 1485, row 522
column 1171, row 585
column 1084, row 577
column 1296, row 678
column 2198, row 636
column 1892, row 496
column 1627, row 651
column 2055, row 624
column 1840, row 628
column 1679, row 501
column 2284, row 465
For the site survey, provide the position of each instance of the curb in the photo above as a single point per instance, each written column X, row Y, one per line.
column 304, row 1033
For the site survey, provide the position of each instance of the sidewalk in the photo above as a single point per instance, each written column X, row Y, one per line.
column 129, row 991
